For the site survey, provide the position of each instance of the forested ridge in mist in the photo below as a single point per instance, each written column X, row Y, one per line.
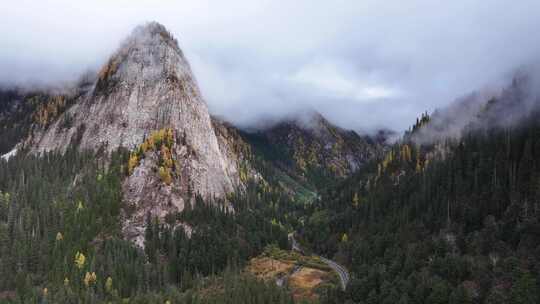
column 451, row 221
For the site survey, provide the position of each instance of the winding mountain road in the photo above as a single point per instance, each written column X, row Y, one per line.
column 342, row 272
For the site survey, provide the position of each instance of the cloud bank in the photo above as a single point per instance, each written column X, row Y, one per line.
column 363, row 64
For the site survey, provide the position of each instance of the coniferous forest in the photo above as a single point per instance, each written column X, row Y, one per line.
column 131, row 185
column 61, row 242
column 456, row 221
column 450, row 221
column 461, row 228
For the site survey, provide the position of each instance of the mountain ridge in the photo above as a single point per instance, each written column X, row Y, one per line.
column 145, row 99
column 314, row 147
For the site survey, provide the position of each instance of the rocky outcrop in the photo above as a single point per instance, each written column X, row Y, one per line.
column 147, row 85
column 237, row 150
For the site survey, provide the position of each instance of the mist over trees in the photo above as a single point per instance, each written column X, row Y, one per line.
column 455, row 221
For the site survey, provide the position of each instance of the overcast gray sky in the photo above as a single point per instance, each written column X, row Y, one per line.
column 364, row 64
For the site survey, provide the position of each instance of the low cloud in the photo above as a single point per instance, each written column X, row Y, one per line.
column 363, row 64
column 508, row 106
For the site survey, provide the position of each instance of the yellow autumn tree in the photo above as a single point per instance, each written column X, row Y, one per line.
column 243, row 174
column 169, row 137
column 406, row 153
column 49, row 109
column 80, row 206
column 165, row 175
column 132, row 162
column 108, row 284
column 344, row 238
column 166, row 156
column 150, row 142
column 145, row 146
column 90, row 279
column 157, row 137
column 80, row 259
column 108, row 70
column 388, row 159
column 418, row 165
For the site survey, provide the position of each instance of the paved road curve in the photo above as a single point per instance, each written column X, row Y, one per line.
column 340, row 270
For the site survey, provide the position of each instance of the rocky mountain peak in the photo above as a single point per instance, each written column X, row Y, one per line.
column 146, row 99
column 146, row 85
column 150, row 54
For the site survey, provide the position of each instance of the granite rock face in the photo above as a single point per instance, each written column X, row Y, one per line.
column 147, row 85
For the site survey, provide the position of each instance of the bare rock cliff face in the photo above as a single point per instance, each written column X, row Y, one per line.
column 146, row 86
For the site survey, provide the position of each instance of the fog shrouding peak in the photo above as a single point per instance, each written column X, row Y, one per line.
column 516, row 102
column 364, row 65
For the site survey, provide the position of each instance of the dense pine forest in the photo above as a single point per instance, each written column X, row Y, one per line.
column 456, row 221
column 61, row 241
column 449, row 220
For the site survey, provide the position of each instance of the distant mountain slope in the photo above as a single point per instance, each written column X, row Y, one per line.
column 454, row 218
column 314, row 149
column 21, row 110
column 479, row 110
column 15, row 118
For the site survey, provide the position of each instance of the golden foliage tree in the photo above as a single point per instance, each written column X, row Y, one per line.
column 80, row 206
column 49, row 109
column 90, row 279
column 165, row 175
column 133, row 162
column 109, row 284
column 80, row 259
column 166, row 156
column 405, row 153
column 160, row 142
